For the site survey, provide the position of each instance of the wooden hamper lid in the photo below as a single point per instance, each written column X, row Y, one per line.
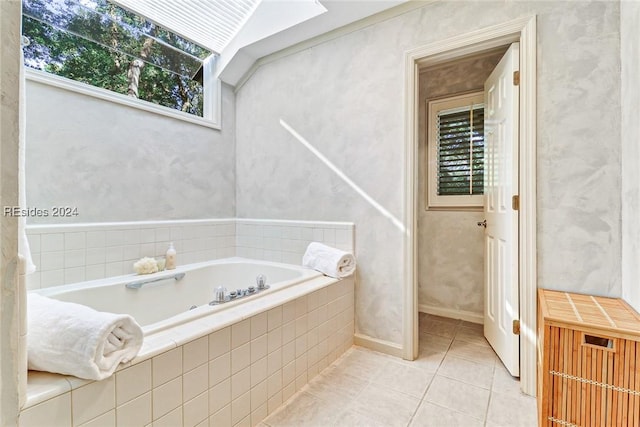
column 586, row 312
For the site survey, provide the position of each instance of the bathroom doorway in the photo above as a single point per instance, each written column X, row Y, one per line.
column 489, row 41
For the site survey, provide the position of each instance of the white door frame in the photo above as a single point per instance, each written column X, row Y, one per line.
column 524, row 31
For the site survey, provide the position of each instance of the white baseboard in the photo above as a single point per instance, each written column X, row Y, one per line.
column 376, row 344
column 468, row 316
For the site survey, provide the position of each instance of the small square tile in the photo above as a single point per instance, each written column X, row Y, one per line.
column 274, row 339
column 240, row 333
column 195, row 410
column 56, row 411
column 52, row 242
column 172, row 419
column 220, row 396
column 106, row 419
column 136, row 412
column 195, row 353
column 240, row 408
column 259, row 325
column 258, row 348
column 195, row 382
column 93, row 399
column 259, row 414
column 240, row 357
column 167, row 366
column 274, row 361
column 274, row 318
column 219, row 369
column 167, row 397
column 274, row 383
column 222, row 417
column 75, row 240
column 219, row 342
column 95, row 239
column 240, row 383
column 258, row 395
column 289, row 312
column 258, row 371
column 132, row 382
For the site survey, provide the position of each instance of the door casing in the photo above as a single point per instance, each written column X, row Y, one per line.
column 524, row 31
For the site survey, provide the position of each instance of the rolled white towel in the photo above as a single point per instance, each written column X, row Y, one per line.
column 74, row 339
column 330, row 261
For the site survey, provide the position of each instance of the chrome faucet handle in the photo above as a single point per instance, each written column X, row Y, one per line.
column 261, row 281
column 220, row 290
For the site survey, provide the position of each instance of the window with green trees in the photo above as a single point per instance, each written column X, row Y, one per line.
column 456, row 151
column 101, row 44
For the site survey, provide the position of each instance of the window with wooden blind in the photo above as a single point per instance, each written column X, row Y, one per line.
column 456, row 152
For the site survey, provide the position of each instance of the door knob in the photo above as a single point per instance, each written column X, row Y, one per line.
column 482, row 223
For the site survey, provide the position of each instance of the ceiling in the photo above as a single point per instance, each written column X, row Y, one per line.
column 243, row 31
column 338, row 13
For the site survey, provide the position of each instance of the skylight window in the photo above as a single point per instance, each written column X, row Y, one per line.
column 209, row 23
column 101, row 44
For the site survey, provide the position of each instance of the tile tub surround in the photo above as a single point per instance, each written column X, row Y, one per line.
column 234, row 374
column 74, row 253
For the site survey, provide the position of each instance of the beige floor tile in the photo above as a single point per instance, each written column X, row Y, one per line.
column 351, row 418
column 473, row 352
column 476, row 326
column 467, row 371
column 361, row 363
column 459, row 396
column 304, row 410
column 334, row 384
column 439, row 327
column 513, row 410
column 389, row 407
column 503, row 382
column 434, row 342
column 428, row 360
column 473, row 336
column 404, row 378
column 430, row 415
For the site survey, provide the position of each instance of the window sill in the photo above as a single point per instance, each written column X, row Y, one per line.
column 96, row 92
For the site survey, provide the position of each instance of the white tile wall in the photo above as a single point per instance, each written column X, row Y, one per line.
column 286, row 241
column 76, row 253
column 194, row 384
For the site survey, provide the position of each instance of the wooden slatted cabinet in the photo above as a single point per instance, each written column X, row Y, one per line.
column 588, row 361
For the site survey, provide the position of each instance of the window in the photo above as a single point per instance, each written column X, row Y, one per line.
column 456, row 152
column 103, row 45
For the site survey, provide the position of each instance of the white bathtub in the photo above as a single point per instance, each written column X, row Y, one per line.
column 168, row 303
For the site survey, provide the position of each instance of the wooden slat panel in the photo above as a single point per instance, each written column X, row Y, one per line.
column 564, row 319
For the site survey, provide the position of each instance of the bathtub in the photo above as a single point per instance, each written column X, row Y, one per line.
column 165, row 302
column 229, row 362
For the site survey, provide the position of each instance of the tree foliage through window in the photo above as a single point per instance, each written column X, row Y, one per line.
column 103, row 45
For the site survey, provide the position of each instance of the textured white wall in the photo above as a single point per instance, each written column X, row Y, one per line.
column 117, row 163
column 10, row 324
column 345, row 96
column 630, row 58
column 450, row 244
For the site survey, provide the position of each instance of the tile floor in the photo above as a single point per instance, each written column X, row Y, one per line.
column 457, row 380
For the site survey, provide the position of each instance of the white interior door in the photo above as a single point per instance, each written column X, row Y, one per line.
column 501, row 231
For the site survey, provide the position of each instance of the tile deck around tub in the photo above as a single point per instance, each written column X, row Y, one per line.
column 457, row 380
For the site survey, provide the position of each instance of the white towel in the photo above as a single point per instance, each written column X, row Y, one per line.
column 74, row 339
column 330, row 261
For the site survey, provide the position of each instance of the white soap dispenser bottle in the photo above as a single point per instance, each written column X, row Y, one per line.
column 170, row 258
